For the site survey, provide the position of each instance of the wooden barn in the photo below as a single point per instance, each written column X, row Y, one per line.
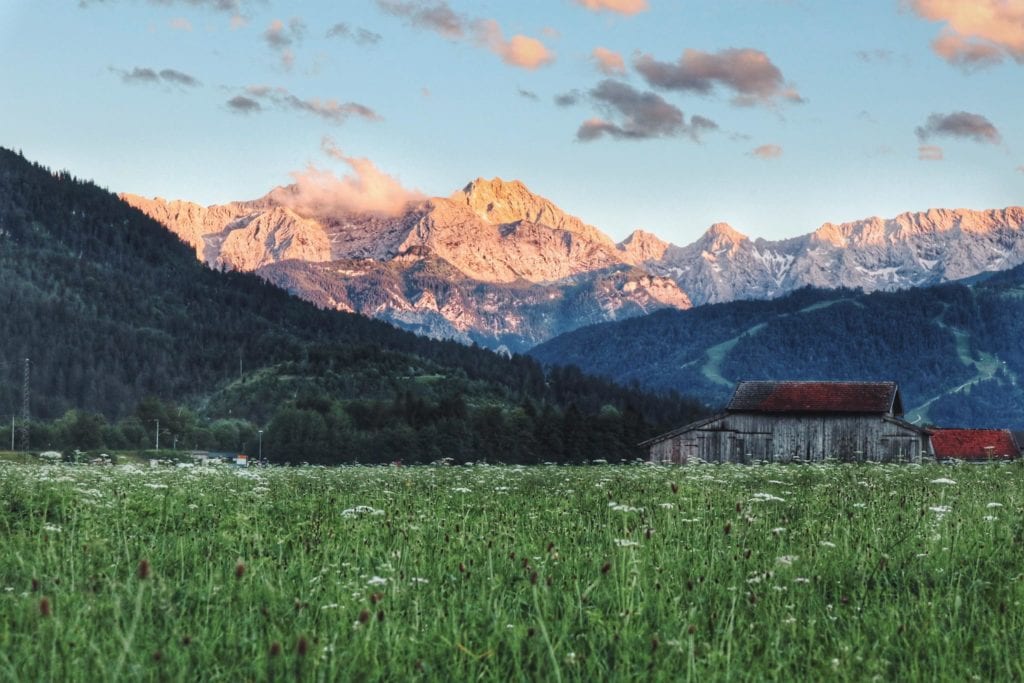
column 799, row 422
column 975, row 445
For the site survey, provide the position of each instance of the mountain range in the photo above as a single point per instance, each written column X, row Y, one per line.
column 498, row 265
column 116, row 315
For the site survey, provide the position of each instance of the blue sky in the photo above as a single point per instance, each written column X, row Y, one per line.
column 772, row 115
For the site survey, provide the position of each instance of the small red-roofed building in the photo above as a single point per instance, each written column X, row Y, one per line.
column 771, row 421
column 976, row 445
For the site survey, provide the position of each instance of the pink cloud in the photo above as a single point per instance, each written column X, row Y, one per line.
column 181, row 24
column 609, row 62
column 519, row 50
column 364, row 189
column 978, row 33
column 767, row 152
column 620, row 6
column 929, row 153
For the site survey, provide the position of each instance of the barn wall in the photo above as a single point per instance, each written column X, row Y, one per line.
column 752, row 437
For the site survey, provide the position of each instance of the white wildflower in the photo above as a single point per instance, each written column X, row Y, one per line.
column 990, row 518
column 994, row 505
column 778, row 530
column 801, row 579
column 51, row 527
column 377, row 581
column 827, row 544
column 940, row 509
column 860, row 505
column 620, row 507
column 156, row 486
column 787, row 560
column 944, row 480
column 461, row 489
column 625, row 543
column 766, row 497
column 666, row 506
column 361, row 510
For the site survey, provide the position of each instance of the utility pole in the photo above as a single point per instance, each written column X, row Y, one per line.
column 25, row 416
column 157, row 434
column 12, row 433
column 261, row 447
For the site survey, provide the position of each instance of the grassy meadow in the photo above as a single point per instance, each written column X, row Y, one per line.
column 509, row 573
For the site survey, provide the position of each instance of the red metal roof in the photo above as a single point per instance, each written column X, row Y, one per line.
column 974, row 444
column 817, row 397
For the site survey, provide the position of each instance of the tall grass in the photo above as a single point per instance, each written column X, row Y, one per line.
column 498, row 573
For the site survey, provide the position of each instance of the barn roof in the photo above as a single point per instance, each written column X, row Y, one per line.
column 974, row 444
column 817, row 397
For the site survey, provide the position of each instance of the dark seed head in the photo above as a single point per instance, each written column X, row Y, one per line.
column 728, row 528
column 692, row 629
column 144, row 569
column 44, row 607
column 364, row 616
column 380, row 615
column 239, row 570
column 376, row 597
column 529, row 632
column 606, row 567
column 275, row 649
column 675, row 487
column 533, row 578
column 302, row 647
column 654, row 644
column 35, row 585
column 157, row 656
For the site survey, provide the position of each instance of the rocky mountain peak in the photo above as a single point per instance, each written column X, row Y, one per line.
column 642, row 246
column 721, row 236
column 500, row 202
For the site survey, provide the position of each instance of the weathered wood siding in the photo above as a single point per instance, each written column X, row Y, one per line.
column 753, row 437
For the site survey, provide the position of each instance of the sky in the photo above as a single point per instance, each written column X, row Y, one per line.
column 667, row 115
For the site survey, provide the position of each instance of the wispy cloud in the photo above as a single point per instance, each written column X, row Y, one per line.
column 929, row 153
column 877, row 55
column 748, row 73
column 618, row 6
column 282, row 37
column 364, row 189
column 568, row 99
column 360, row 36
column 636, row 115
column 437, row 16
column 959, row 124
column 977, row 33
column 330, row 110
column 233, row 6
column 608, row 62
column 141, row 74
column 528, row 94
column 240, row 104
column 767, row 152
column 181, row 24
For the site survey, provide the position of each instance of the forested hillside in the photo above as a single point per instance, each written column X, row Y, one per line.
column 957, row 350
column 112, row 309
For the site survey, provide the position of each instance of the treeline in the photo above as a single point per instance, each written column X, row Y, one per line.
column 320, row 430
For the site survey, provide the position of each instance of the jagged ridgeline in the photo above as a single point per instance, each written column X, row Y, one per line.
column 957, row 350
column 112, row 308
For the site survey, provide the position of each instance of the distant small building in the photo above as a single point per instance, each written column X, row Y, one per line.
column 799, row 422
column 974, row 444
